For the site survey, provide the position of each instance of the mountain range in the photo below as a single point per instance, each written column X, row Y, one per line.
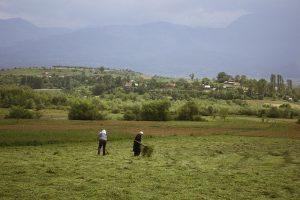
column 255, row 45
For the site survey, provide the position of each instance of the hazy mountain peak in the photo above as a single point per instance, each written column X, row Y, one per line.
column 15, row 19
column 15, row 30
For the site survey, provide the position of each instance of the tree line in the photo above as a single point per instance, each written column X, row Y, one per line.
column 136, row 98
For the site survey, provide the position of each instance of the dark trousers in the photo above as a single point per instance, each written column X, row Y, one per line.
column 136, row 148
column 102, row 143
column 137, row 153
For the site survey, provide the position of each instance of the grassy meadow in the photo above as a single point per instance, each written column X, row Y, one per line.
column 241, row 158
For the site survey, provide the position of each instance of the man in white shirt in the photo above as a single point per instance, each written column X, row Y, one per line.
column 102, row 141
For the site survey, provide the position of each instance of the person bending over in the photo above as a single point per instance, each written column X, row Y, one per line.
column 102, row 141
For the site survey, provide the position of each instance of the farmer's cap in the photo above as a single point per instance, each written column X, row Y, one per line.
column 141, row 132
column 103, row 131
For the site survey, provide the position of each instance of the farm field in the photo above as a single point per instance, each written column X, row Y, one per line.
column 241, row 158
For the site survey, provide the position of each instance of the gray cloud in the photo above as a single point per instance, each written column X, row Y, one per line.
column 78, row 13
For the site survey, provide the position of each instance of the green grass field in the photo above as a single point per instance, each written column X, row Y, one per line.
column 241, row 158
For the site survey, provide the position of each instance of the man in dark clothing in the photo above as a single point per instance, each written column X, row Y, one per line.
column 137, row 144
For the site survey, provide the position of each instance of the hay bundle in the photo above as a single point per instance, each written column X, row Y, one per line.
column 147, row 151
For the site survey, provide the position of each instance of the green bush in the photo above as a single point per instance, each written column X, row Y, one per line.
column 266, row 105
column 18, row 112
column 274, row 112
column 188, row 110
column 223, row 113
column 99, row 89
column 262, row 113
column 155, row 111
column 212, row 111
column 285, row 105
column 247, row 111
column 281, row 112
column 129, row 116
column 240, row 102
column 85, row 111
column 204, row 111
column 298, row 121
column 132, row 113
column 59, row 100
column 199, row 118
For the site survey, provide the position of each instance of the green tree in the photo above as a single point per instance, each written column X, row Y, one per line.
column 273, row 80
column 99, row 89
column 156, row 110
column 84, row 111
column 262, row 87
column 192, row 76
column 223, row 113
column 243, row 81
column 289, row 87
column 222, row 77
column 211, row 111
column 280, row 84
column 237, row 78
column 252, row 88
column 188, row 111
column 102, row 69
column 32, row 81
column 205, row 81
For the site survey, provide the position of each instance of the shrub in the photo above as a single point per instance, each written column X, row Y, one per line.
column 188, row 110
column 298, row 121
column 29, row 104
column 204, row 111
column 273, row 112
column 199, row 118
column 85, row 111
column 59, row 100
column 99, row 89
column 247, row 111
column 132, row 113
column 210, row 110
column 282, row 112
column 156, row 110
column 223, row 113
column 40, row 106
column 285, row 105
column 240, row 102
column 262, row 113
column 115, row 110
column 129, row 116
column 18, row 112
column 266, row 105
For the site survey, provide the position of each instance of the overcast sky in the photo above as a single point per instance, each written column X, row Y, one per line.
column 83, row 13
